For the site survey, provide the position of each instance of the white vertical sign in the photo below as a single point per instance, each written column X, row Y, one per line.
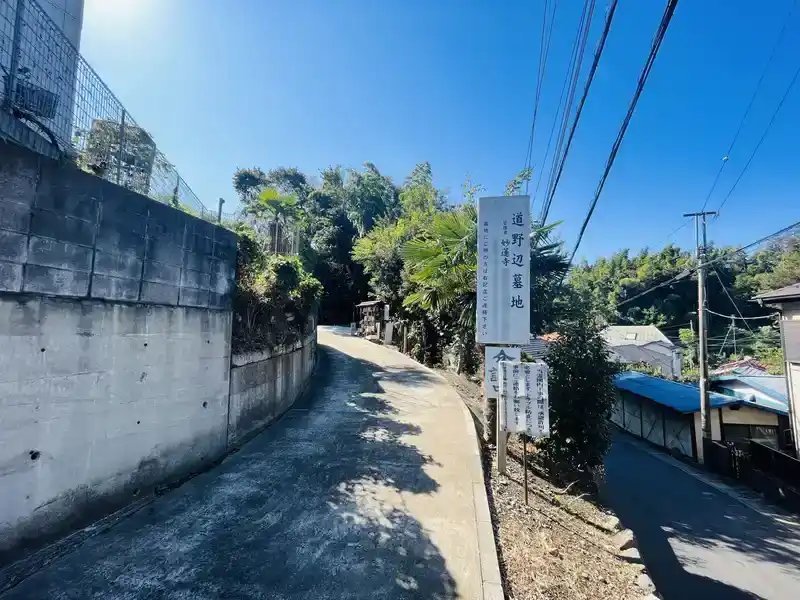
column 494, row 354
column 524, row 405
column 504, row 253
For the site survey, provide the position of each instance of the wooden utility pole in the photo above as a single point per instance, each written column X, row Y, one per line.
column 702, row 345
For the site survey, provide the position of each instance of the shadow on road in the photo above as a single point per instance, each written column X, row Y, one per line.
column 694, row 540
column 315, row 507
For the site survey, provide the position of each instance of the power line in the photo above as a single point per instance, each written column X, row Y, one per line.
column 725, row 289
column 751, row 245
column 575, row 75
column 676, row 278
column 656, row 45
column 590, row 78
column 760, row 141
column 750, row 105
column 688, row 272
column 676, row 230
column 564, row 88
column 544, row 51
column 741, row 318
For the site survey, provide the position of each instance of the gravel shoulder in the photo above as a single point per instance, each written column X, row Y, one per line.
column 561, row 545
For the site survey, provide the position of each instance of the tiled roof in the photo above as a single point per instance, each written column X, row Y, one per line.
column 790, row 292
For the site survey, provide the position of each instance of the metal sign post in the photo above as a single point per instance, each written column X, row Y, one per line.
column 524, row 466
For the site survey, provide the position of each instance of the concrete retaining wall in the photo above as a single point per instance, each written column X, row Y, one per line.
column 64, row 232
column 100, row 400
column 264, row 385
column 115, row 349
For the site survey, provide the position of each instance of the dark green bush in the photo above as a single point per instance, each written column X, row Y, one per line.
column 276, row 299
column 582, row 394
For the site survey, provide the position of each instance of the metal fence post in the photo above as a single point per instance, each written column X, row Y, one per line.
column 11, row 78
column 120, row 145
column 176, row 192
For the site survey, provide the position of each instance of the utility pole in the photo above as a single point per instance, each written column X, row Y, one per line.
column 702, row 346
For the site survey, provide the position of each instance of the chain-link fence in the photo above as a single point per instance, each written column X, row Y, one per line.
column 51, row 88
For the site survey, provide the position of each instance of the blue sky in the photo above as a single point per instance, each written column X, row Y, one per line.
column 310, row 84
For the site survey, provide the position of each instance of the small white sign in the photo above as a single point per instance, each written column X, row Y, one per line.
column 504, row 253
column 524, row 404
column 494, row 354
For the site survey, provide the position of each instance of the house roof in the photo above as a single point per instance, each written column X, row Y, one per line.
column 636, row 335
column 630, row 353
column 773, row 386
column 746, row 366
column 537, row 347
column 681, row 397
column 550, row 337
column 368, row 303
column 790, row 292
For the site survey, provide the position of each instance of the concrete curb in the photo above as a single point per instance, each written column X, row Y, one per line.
column 491, row 580
column 490, row 565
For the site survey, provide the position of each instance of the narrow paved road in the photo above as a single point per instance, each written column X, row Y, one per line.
column 697, row 542
column 363, row 491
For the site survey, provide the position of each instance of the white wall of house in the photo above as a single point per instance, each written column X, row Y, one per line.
column 745, row 390
column 747, row 415
column 791, row 312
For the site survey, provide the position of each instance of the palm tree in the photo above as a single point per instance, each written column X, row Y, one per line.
column 272, row 206
column 443, row 263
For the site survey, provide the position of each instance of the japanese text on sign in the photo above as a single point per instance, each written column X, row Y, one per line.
column 494, row 354
column 503, row 308
column 523, row 406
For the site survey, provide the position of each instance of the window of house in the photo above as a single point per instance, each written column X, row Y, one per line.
column 630, row 336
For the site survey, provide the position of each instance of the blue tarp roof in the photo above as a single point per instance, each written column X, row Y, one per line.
column 680, row 396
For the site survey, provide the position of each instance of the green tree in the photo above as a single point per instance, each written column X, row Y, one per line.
column 582, row 394
column 442, row 265
column 272, row 207
column 268, row 288
column 689, row 339
column 368, row 196
column 514, row 186
column 248, row 184
column 784, row 259
column 380, row 250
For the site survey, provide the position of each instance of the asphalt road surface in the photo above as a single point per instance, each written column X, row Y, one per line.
column 696, row 541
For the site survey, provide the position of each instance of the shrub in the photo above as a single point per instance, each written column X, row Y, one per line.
column 582, row 394
column 276, row 298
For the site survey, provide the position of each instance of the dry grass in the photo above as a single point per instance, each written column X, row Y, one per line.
column 558, row 546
